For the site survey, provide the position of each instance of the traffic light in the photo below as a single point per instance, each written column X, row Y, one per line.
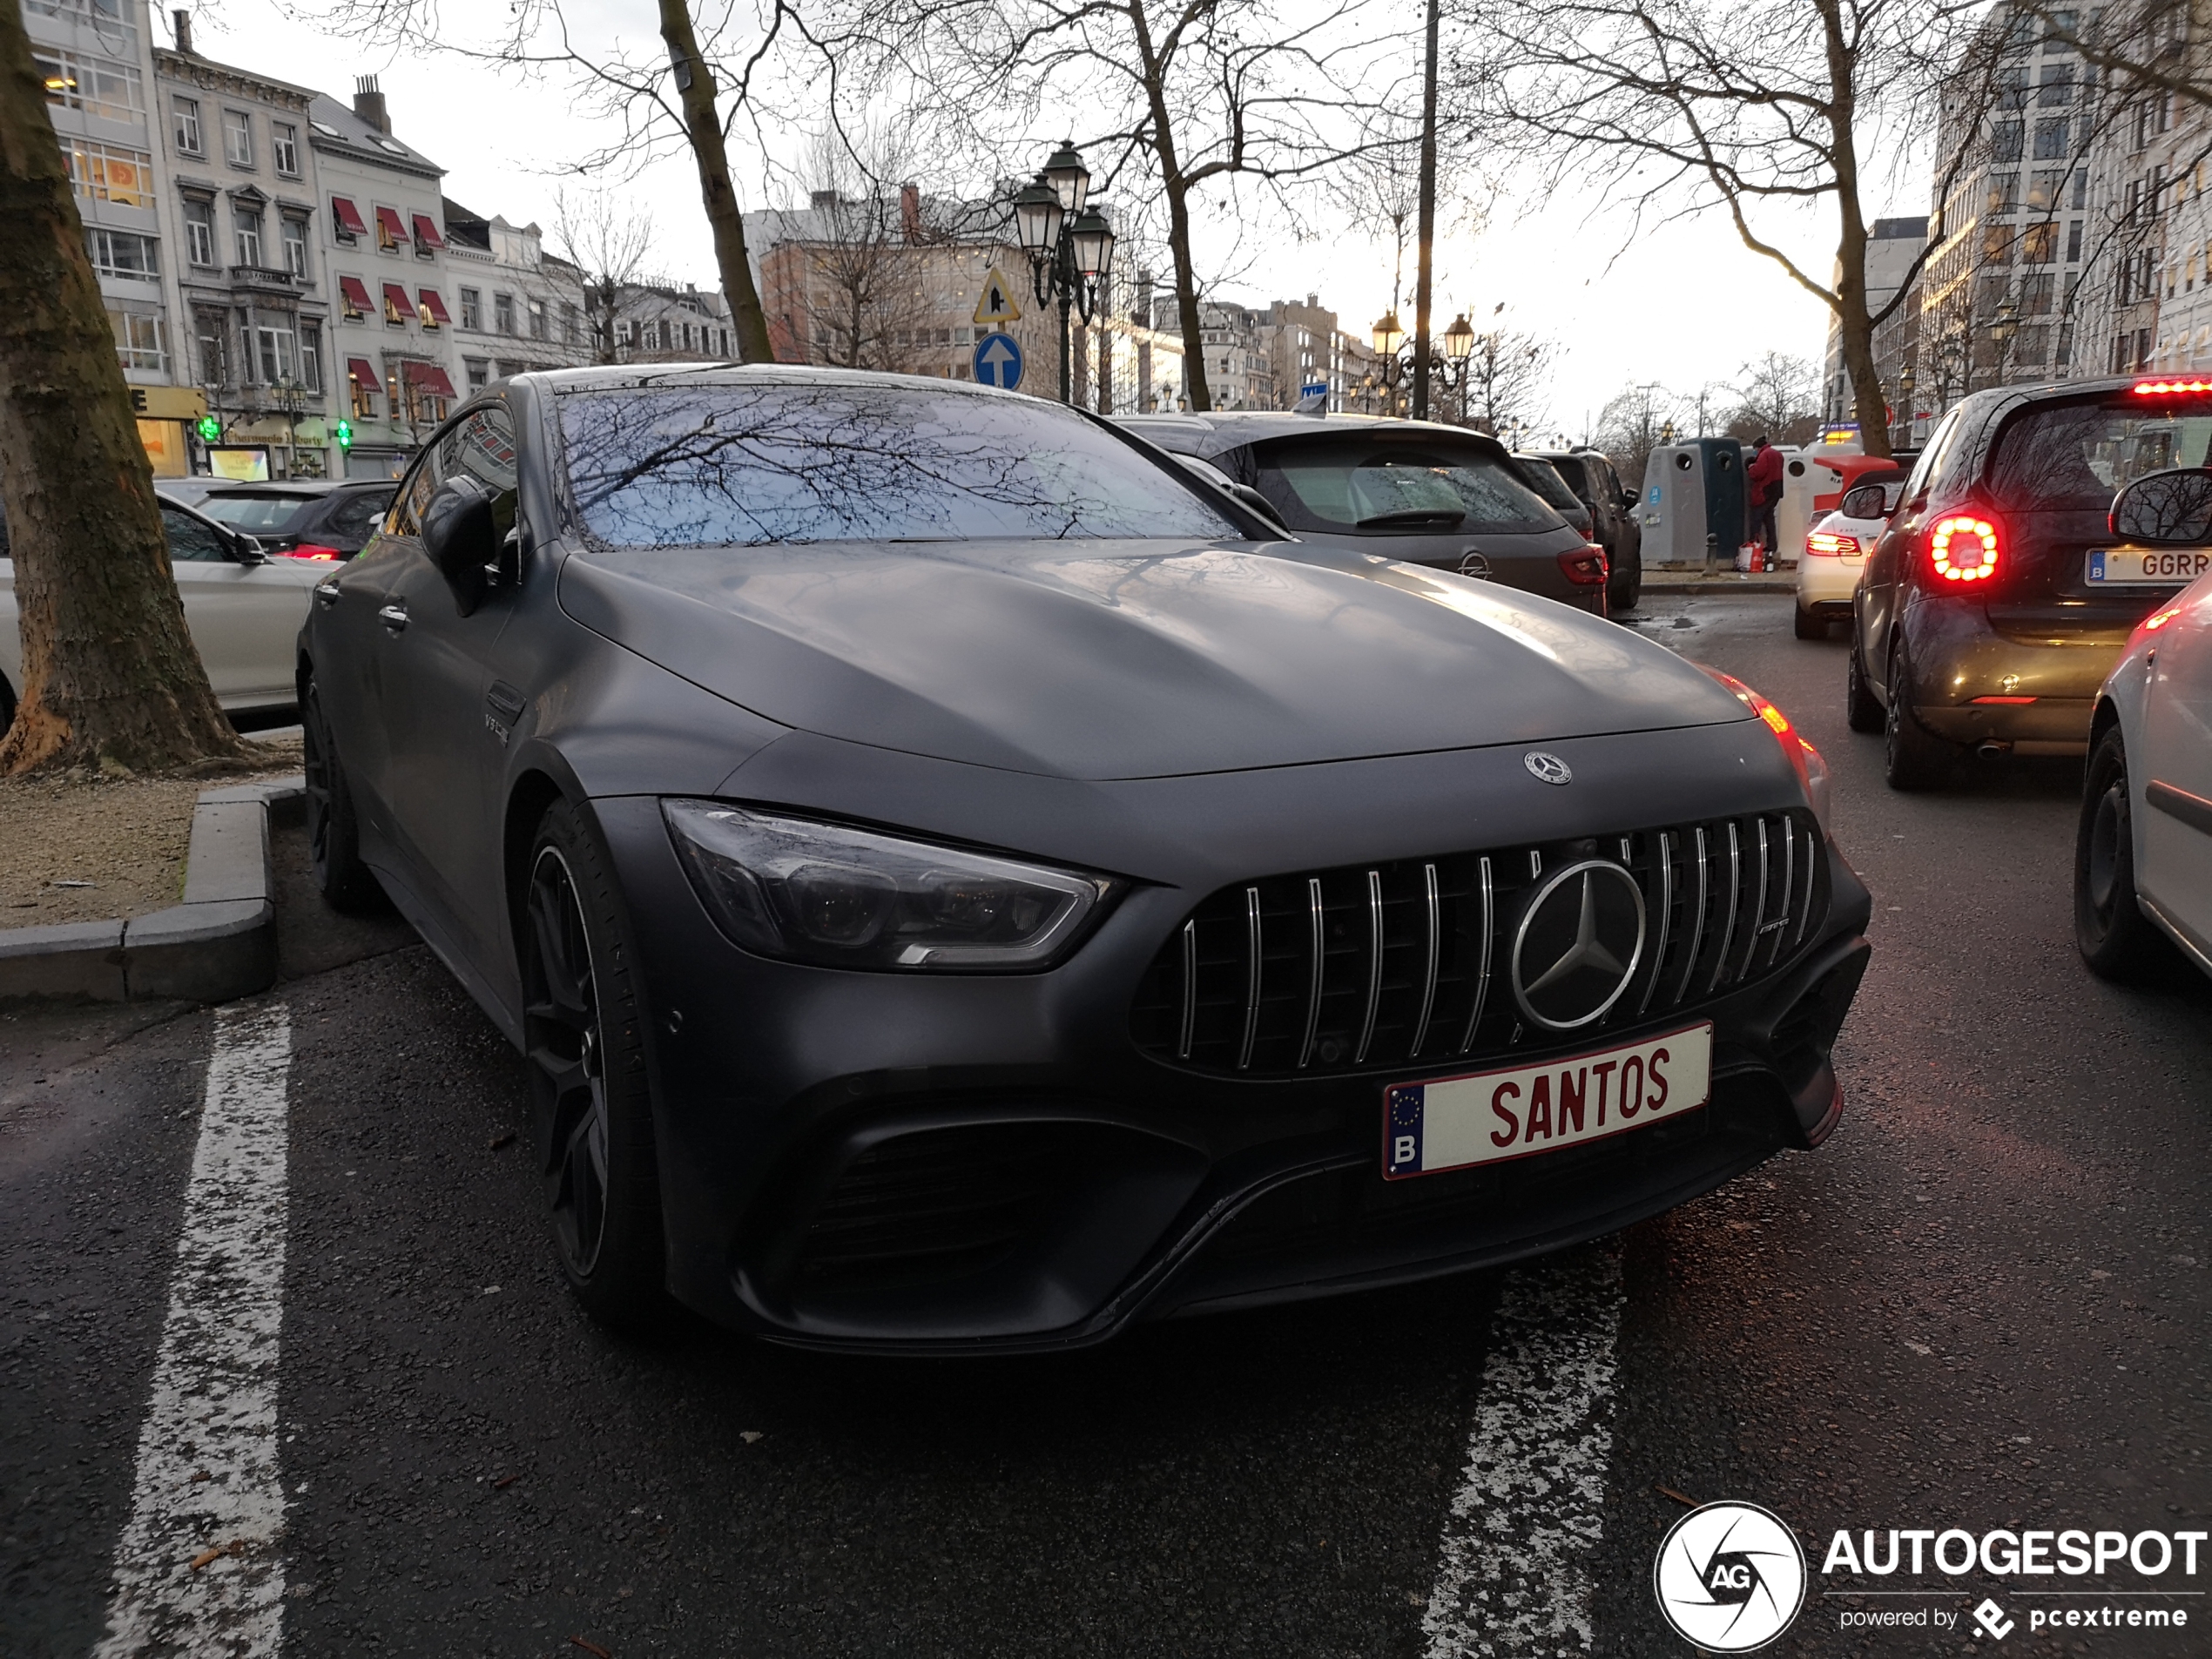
column 208, row 428
column 344, row 435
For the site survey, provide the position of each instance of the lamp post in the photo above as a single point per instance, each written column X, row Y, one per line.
column 1906, row 383
column 1951, row 357
column 1070, row 244
column 1399, row 360
column 2002, row 332
column 1389, row 337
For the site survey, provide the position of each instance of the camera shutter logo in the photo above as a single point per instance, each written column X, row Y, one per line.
column 1730, row 1577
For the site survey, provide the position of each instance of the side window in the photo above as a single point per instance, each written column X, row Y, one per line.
column 190, row 538
column 1938, row 451
column 415, row 492
column 483, row 445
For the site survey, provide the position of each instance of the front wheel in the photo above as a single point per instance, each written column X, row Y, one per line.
column 591, row 1107
column 1913, row 757
column 2116, row 939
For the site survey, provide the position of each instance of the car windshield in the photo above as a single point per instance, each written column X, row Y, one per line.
column 1393, row 486
column 1545, row 480
column 256, row 514
column 747, row 465
column 2078, row 456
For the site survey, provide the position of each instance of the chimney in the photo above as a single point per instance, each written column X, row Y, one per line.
column 180, row 21
column 910, row 212
column 368, row 103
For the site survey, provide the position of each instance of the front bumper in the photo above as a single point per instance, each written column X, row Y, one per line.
column 963, row 1163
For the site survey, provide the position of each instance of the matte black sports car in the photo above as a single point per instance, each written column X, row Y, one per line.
column 960, row 881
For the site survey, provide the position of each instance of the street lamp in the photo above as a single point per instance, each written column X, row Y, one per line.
column 1069, row 243
column 2002, row 332
column 1907, row 381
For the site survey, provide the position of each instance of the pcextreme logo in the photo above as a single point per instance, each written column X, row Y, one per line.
column 1730, row 1577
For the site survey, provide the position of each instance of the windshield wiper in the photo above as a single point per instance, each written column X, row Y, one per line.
column 1412, row 518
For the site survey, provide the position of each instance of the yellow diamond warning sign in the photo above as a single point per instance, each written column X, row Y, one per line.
column 997, row 303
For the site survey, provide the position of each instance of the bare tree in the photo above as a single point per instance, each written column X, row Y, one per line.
column 1685, row 105
column 1634, row 422
column 608, row 244
column 112, row 679
column 1506, row 376
column 1777, row 397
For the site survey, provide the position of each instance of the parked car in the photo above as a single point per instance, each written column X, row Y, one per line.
column 2142, row 862
column 1544, row 479
column 960, row 881
column 244, row 609
column 320, row 520
column 1836, row 550
column 1997, row 599
column 1413, row 491
column 1619, row 530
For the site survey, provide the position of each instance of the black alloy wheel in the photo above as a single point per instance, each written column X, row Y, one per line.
column 1914, row 758
column 591, row 1105
column 334, row 831
column 1625, row 585
column 1862, row 711
column 1810, row 625
column 2116, row 939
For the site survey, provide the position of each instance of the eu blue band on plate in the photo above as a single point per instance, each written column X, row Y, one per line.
column 1404, row 1116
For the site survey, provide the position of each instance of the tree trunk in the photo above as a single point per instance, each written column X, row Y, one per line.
column 703, row 128
column 1423, row 350
column 1186, row 296
column 110, row 676
column 1854, row 327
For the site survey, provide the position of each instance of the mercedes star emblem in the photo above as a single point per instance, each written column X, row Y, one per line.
column 1580, row 939
column 1547, row 768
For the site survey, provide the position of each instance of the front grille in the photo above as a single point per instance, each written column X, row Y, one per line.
column 1388, row 965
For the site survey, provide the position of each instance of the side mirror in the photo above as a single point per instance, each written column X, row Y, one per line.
column 460, row 534
column 1864, row 501
column 2165, row 509
column 242, row 549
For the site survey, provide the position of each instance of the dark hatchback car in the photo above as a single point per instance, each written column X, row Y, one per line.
column 303, row 519
column 1997, row 598
column 960, row 881
column 1409, row 490
column 1616, row 527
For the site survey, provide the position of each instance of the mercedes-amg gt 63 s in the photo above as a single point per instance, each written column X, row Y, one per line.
column 962, row 880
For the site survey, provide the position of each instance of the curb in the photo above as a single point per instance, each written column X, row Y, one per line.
column 219, row 944
column 1728, row 581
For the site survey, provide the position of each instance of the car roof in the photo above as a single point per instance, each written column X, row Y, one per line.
column 1217, row 433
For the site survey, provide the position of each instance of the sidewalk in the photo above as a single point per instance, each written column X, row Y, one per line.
column 1725, row 580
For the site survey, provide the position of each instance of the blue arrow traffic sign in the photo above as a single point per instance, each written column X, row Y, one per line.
column 998, row 361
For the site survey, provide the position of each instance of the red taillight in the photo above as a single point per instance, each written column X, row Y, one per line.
column 1963, row 548
column 1827, row 545
column 2167, row 389
column 1585, row 567
column 313, row 550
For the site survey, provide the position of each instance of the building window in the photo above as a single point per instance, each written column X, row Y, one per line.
column 2038, row 295
column 185, row 112
column 276, row 354
column 477, row 370
column 2050, row 140
column 96, row 86
column 311, row 356
column 209, row 332
column 295, row 245
column 108, row 173
column 2040, row 245
column 472, row 309
column 246, row 226
column 571, row 323
column 2004, row 192
column 502, row 313
column 199, row 231
column 123, row 254
column 237, row 138
column 623, row 332
column 2043, row 190
column 2005, row 141
column 2057, row 89
column 364, row 396
column 137, row 340
column 537, row 319
column 390, row 231
column 2074, row 243
column 284, row 147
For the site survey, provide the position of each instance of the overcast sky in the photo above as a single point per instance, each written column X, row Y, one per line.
column 1683, row 306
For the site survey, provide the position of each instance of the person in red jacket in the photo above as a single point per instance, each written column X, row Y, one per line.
column 1762, row 483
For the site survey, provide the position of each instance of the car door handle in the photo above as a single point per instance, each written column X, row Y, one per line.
column 392, row 617
column 326, row 594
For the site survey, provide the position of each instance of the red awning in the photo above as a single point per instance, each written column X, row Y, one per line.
column 395, row 300
column 356, row 293
column 388, row 218
column 426, row 232
column 361, row 373
column 349, row 217
column 435, row 305
column 429, row 376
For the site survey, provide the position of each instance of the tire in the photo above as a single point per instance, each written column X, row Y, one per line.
column 2116, row 939
column 7, row 706
column 1914, row 758
column 591, row 1106
column 1808, row 626
column 1861, row 711
column 1625, row 586
column 333, row 831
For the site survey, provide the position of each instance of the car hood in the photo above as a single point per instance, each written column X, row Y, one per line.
column 1106, row 660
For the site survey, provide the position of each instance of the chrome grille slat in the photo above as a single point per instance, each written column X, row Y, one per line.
column 1252, row 959
column 1735, row 901
column 1812, row 876
column 1789, row 893
column 1482, row 974
column 1374, row 966
column 1697, row 910
column 1665, row 846
column 1189, row 988
column 1313, row 983
column 1758, row 904
column 1429, row 971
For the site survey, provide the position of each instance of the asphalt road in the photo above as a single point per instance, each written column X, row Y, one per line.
column 1982, row 1304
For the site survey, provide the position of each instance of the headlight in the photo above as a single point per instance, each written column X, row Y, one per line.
column 851, row 897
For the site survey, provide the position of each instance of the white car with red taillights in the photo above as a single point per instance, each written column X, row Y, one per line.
column 1836, row 550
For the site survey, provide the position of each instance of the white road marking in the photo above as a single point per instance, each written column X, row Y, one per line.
column 1512, row 1578
column 207, row 1474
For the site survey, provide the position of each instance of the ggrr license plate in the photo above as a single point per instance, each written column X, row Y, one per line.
column 1518, row 1111
column 2120, row 567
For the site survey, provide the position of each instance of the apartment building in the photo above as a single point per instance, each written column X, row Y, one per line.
column 516, row 306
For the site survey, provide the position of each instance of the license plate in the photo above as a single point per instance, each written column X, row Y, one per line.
column 1519, row 1111
column 2119, row 567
